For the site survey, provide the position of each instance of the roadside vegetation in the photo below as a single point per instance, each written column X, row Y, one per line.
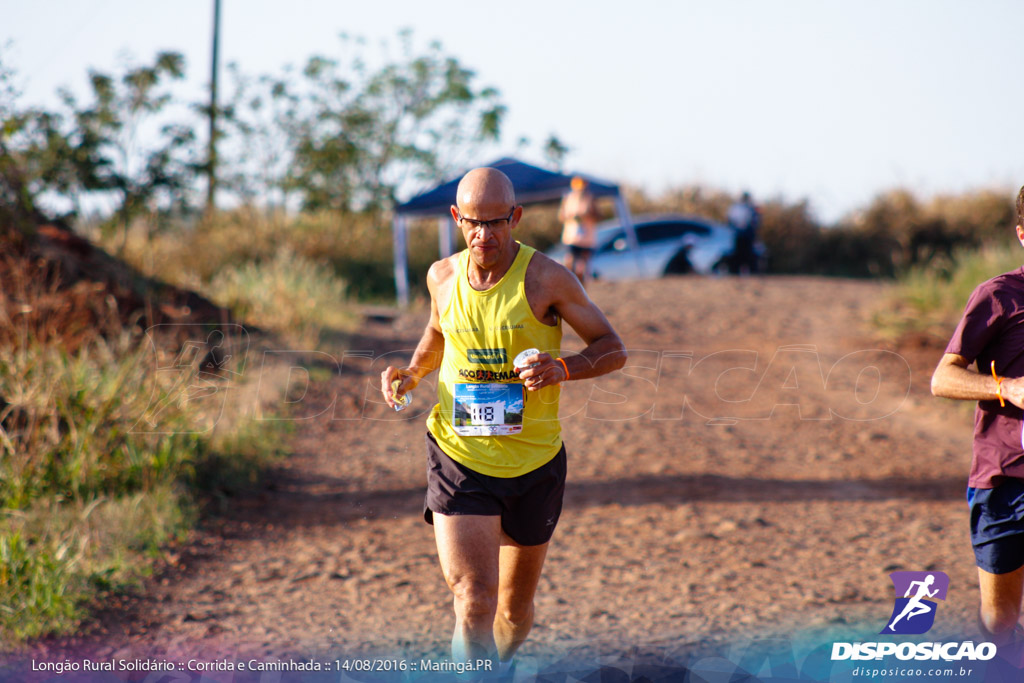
column 322, row 263
column 103, row 463
column 929, row 299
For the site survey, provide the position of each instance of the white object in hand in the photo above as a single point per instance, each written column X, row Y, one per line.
column 401, row 402
column 520, row 361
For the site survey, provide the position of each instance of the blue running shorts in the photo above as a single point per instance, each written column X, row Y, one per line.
column 997, row 526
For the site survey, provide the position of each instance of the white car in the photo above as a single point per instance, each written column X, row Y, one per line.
column 668, row 244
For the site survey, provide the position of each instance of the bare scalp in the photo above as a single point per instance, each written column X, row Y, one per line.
column 485, row 186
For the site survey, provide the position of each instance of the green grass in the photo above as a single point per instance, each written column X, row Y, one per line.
column 68, row 424
column 35, row 591
column 88, row 500
column 57, row 556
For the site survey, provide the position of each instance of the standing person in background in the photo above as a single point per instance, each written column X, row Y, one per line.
column 579, row 215
column 745, row 219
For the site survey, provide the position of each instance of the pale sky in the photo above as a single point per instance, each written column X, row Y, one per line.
column 828, row 101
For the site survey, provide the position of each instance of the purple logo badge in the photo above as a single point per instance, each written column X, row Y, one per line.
column 916, row 593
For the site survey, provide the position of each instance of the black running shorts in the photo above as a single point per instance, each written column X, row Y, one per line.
column 529, row 505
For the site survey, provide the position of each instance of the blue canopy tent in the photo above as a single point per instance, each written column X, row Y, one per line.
column 533, row 186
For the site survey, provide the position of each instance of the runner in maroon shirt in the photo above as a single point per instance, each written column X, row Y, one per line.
column 991, row 334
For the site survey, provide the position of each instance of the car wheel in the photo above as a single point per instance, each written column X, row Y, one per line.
column 679, row 265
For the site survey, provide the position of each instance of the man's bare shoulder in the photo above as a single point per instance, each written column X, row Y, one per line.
column 441, row 272
column 547, row 272
column 549, row 286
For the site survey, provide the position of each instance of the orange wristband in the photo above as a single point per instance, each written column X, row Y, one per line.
column 564, row 367
column 999, row 385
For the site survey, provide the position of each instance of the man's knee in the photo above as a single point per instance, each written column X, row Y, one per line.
column 473, row 597
column 1000, row 618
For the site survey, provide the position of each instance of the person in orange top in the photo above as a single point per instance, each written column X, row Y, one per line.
column 495, row 460
column 579, row 215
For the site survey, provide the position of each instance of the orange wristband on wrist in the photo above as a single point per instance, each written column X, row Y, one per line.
column 999, row 385
column 564, row 367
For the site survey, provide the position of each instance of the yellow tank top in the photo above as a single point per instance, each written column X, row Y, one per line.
column 483, row 333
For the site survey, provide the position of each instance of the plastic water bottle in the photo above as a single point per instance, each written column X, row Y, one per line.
column 401, row 402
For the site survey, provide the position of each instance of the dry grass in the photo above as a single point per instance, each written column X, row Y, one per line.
column 930, row 298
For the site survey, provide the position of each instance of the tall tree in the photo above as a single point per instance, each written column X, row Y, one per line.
column 358, row 133
column 35, row 157
column 152, row 171
column 555, row 152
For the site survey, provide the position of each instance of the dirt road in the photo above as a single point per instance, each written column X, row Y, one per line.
column 760, row 467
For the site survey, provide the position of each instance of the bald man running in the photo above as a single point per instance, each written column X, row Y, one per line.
column 495, row 458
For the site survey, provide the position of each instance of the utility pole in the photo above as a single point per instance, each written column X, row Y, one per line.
column 211, row 158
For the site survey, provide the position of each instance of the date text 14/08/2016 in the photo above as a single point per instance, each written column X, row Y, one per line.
column 405, row 665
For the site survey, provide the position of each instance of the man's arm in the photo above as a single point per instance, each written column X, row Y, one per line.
column 604, row 351
column 954, row 379
column 429, row 351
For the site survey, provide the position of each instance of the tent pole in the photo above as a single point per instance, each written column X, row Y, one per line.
column 444, row 236
column 401, row 261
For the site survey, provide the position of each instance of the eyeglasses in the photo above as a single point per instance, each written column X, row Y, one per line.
column 493, row 223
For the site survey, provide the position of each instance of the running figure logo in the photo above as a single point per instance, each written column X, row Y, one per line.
column 914, row 613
